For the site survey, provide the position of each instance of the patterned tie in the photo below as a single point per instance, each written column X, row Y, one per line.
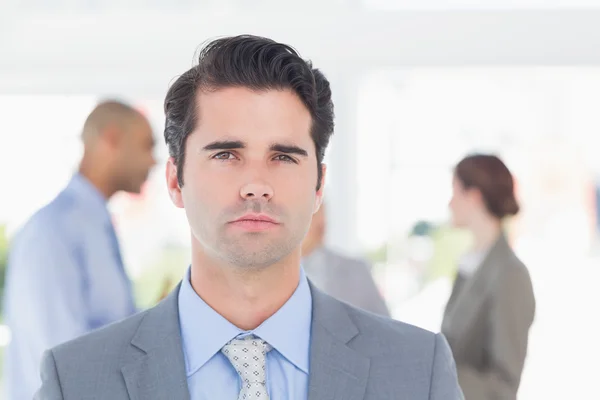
column 249, row 357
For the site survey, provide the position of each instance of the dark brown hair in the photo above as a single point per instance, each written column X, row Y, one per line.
column 256, row 63
column 491, row 177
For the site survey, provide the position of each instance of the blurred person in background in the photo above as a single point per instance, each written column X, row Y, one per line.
column 344, row 278
column 65, row 273
column 492, row 305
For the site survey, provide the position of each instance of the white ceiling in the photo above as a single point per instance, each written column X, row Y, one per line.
column 141, row 52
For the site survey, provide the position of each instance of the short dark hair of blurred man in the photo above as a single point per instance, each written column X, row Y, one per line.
column 345, row 278
column 65, row 273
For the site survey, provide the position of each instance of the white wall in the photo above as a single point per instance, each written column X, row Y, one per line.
column 142, row 52
column 138, row 54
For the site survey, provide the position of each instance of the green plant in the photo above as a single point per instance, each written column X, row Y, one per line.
column 163, row 273
column 449, row 245
column 378, row 255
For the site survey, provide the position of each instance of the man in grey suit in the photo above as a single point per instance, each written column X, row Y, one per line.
column 247, row 129
column 344, row 278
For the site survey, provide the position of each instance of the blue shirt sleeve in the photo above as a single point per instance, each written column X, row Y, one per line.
column 45, row 300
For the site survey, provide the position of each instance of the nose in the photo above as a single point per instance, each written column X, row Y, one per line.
column 256, row 190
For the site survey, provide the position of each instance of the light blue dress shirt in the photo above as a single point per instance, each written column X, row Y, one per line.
column 65, row 277
column 204, row 332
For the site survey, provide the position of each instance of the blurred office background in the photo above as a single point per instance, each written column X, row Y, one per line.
column 417, row 85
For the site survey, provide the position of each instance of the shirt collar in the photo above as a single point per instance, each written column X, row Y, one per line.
column 89, row 195
column 288, row 330
column 80, row 185
column 204, row 331
column 471, row 262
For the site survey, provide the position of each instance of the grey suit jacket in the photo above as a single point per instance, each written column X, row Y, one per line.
column 346, row 279
column 354, row 355
column 487, row 323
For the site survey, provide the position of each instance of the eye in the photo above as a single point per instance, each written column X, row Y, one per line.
column 224, row 156
column 284, row 158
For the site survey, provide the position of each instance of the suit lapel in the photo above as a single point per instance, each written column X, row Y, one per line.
column 337, row 372
column 158, row 369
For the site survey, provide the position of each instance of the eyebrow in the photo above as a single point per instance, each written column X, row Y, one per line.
column 289, row 149
column 225, row 145
column 237, row 144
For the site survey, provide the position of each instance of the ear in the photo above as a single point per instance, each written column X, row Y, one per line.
column 475, row 194
column 112, row 135
column 320, row 192
column 173, row 183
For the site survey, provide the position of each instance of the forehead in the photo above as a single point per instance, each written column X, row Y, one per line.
column 252, row 116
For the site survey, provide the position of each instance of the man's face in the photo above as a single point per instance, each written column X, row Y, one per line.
column 137, row 155
column 249, row 177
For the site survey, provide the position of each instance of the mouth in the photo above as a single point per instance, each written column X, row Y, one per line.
column 255, row 223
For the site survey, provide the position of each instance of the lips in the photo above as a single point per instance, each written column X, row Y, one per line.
column 256, row 218
column 255, row 223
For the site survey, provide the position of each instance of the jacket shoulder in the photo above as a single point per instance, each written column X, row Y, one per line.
column 515, row 268
column 382, row 335
column 404, row 358
column 514, row 280
column 106, row 343
column 91, row 362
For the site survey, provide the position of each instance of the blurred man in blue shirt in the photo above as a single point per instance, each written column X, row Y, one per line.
column 65, row 273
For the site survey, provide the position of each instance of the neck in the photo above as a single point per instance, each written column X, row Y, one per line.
column 96, row 176
column 248, row 297
column 486, row 230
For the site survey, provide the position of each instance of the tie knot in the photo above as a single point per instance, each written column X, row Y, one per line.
column 248, row 357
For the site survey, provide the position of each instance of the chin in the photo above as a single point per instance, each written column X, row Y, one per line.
column 251, row 262
column 256, row 254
